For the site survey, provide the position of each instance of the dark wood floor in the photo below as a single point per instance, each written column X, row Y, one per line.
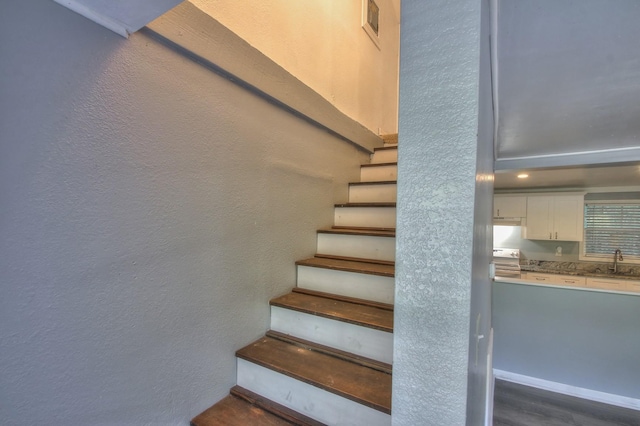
column 517, row 405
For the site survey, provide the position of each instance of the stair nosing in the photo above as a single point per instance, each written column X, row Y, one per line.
column 336, row 353
column 385, row 148
column 364, row 228
column 355, row 300
column 346, row 268
column 391, row 163
column 324, row 314
column 370, row 205
column 377, row 182
column 356, row 259
column 350, row 230
column 278, row 410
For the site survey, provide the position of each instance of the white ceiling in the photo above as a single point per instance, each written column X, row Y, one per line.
column 568, row 83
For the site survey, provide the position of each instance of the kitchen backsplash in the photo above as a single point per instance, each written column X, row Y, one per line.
column 510, row 237
column 580, row 268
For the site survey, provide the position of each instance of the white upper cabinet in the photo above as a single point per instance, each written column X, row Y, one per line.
column 509, row 206
column 557, row 217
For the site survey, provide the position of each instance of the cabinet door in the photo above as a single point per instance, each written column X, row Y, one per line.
column 572, row 281
column 540, row 278
column 568, row 218
column 508, row 206
column 633, row 286
column 607, row 284
column 538, row 218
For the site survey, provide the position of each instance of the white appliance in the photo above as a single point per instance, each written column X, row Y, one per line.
column 507, row 262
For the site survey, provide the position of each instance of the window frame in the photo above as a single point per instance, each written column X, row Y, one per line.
column 628, row 259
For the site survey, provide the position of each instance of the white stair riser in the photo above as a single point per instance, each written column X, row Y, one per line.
column 374, row 193
column 385, row 156
column 362, row 286
column 379, row 173
column 360, row 246
column 321, row 405
column 356, row 339
column 365, row 217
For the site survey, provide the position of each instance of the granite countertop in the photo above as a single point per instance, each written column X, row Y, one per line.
column 585, row 269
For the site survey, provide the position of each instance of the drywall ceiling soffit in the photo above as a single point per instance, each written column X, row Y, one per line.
column 612, row 176
column 121, row 16
column 568, row 82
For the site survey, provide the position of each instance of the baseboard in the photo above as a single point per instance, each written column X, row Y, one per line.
column 592, row 395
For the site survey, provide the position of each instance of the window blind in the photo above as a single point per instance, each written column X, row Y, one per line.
column 609, row 226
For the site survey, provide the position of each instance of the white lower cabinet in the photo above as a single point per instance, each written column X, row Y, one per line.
column 588, row 282
column 568, row 280
column 633, row 286
column 610, row 284
column 572, row 281
column 539, row 278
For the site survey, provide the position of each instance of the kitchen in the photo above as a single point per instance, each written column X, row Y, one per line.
column 566, row 115
column 565, row 320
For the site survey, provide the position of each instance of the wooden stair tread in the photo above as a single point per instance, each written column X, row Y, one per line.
column 361, row 384
column 349, row 312
column 373, row 232
column 391, row 138
column 385, row 148
column 380, row 204
column 357, row 259
column 363, row 228
column 395, row 163
column 316, row 347
column 384, row 270
column 377, row 182
column 243, row 407
column 381, row 305
column 234, row 411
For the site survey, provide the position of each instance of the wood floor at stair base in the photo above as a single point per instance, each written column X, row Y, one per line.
column 363, row 341
column 361, row 286
column 366, row 246
column 375, row 217
column 309, row 400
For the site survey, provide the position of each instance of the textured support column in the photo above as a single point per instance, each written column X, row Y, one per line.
column 440, row 249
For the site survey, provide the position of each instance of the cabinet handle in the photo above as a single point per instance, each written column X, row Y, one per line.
column 550, row 236
column 556, row 235
column 498, row 212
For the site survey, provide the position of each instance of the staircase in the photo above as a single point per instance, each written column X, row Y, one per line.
column 327, row 357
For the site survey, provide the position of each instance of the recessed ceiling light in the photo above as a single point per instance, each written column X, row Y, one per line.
column 523, row 176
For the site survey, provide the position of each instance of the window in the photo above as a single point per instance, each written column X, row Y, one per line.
column 373, row 12
column 371, row 20
column 611, row 225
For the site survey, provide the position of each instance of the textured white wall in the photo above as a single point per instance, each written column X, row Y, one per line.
column 148, row 211
column 323, row 44
column 438, row 148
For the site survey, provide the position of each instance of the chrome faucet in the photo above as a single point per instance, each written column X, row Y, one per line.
column 617, row 255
